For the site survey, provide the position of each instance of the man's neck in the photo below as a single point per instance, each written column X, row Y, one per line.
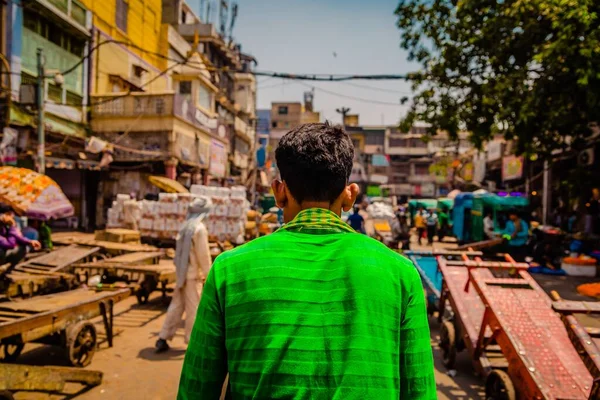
column 306, row 205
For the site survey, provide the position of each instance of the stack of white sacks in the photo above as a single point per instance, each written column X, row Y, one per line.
column 162, row 219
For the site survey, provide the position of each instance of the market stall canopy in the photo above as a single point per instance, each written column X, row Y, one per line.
column 446, row 202
column 33, row 195
column 167, row 185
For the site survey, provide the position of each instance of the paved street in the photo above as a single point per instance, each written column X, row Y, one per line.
column 133, row 371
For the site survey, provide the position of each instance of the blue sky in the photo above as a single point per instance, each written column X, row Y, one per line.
column 300, row 36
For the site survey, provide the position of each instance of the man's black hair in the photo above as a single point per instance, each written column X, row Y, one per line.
column 315, row 161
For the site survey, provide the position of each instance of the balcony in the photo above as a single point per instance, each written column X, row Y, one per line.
column 71, row 13
column 406, row 145
column 56, row 58
column 153, row 106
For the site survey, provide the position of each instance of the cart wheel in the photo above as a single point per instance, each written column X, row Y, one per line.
column 142, row 296
column 81, row 343
column 11, row 351
column 6, row 395
column 448, row 344
column 499, row 386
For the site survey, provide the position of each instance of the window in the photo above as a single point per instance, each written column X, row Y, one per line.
column 274, row 124
column 121, row 15
column 204, row 98
column 138, row 71
column 185, row 88
column 287, row 124
column 283, row 110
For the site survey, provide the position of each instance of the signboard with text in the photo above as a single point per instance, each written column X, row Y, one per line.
column 218, row 159
column 512, row 168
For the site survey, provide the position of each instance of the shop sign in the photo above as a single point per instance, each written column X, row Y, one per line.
column 204, row 120
column 512, row 168
column 218, row 159
column 377, row 178
column 494, row 150
column 467, row 172
column 479, row 168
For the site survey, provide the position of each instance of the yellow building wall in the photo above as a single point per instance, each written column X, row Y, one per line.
column 143, row 30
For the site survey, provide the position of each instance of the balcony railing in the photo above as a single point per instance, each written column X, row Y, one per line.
column 152, row 105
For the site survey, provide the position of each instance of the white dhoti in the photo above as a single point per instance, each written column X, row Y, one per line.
column 185, row 299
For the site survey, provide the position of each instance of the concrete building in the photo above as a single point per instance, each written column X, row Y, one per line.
column 285, row 116
column 62, row 31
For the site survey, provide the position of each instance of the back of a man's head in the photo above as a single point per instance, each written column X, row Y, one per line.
column 315, row 161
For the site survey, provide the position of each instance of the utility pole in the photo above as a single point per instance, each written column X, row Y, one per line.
column 344, row 111
column 40, row 105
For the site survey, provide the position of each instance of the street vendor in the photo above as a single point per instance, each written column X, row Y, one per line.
column 517, row 234
column 192, row 264
column 13, row 245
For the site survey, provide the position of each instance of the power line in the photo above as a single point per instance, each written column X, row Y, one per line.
column 383, row 103
column 376, row 88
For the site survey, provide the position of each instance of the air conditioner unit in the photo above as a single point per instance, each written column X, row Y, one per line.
column 586, row 157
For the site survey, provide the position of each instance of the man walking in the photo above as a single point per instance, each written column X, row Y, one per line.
column 192, row 264
column 314, row 310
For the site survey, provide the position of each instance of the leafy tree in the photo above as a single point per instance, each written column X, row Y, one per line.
column 528, row 69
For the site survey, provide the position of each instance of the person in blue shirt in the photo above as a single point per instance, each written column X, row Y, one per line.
column 517, row 234
column 356, row 221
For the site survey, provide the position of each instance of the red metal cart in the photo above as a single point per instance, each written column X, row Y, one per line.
column 505, row 321
column 585, row 340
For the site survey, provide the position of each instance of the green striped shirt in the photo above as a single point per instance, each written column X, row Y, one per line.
column 313, row 311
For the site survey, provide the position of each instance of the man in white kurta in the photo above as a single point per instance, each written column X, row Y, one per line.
column 192, row 263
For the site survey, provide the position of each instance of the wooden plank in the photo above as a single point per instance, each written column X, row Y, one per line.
column 48, row 379
column 57, row 318
column 576, row 307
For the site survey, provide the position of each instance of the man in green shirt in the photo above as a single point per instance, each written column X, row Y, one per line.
column 314, row 310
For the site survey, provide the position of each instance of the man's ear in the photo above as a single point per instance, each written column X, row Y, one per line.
column 280, row 193
column 349, row 196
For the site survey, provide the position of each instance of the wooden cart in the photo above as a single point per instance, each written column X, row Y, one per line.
column 45, row 273
column 58, row 319
column 89, row 240
column 144, row 273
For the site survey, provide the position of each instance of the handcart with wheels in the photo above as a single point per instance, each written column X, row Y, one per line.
column 586, row 340
column 144, row 273
column 426, row 263
column 59, row 319
column 504, row 319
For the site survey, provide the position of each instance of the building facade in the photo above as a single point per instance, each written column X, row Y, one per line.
column 51, row 36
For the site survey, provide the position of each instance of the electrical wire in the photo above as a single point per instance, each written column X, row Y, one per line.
column 383, row 103
column 376, row 88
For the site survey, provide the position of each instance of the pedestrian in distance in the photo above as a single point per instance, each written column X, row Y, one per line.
column 420, row 225
column 356, row 221
column 192, row 264
column 314, row 310
column 432, row 222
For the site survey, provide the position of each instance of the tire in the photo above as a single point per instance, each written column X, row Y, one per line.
column 82, row 340
column 499, row 386
column 10, row 351
column 448, row 344
column 6, row 395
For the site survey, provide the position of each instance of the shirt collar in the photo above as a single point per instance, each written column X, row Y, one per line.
column 317, row 221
